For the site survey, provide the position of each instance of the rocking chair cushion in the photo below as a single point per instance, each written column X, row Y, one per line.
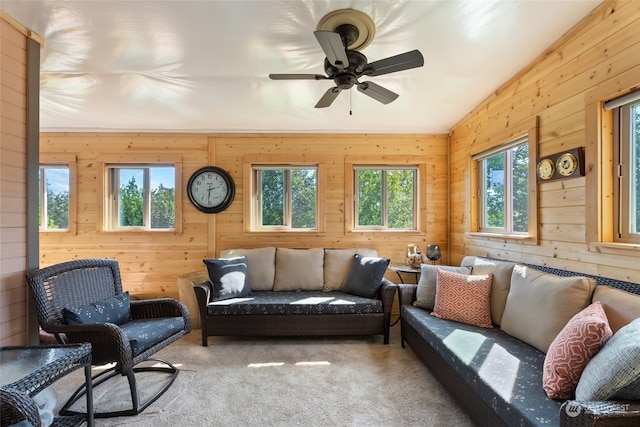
column 144, row 333
column 112, row 310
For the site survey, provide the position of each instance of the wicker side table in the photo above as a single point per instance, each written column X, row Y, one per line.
column 32, row 369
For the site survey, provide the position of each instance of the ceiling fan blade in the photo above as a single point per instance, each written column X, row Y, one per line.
column 329, row 96
column 404, row 61
column 377, row 92
column 331, row 44
column 297, row 77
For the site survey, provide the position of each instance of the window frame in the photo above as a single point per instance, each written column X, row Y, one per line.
column 251, row 206
column 384, row 208
column 526, row 129
column 622, row 165
column 599, row 180
column 391, row 160
column 70, row 161
column 106, row 207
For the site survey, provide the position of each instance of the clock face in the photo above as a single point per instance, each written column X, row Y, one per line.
column 211, row 189
column 567, row 164
column 546, row 168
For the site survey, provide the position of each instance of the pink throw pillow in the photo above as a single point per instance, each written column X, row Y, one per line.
column 464, row 298
column 576, row 344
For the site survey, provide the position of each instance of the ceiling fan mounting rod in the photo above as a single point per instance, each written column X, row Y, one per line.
column 348, row 33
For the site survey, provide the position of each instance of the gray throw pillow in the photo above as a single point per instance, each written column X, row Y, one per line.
column 426, row 292
column 228, row 277
column 365, row 277
column 614, row 372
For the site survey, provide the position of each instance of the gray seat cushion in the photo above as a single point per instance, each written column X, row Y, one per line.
column 292, row 303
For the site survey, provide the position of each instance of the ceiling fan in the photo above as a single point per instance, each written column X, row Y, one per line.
column 347, row 66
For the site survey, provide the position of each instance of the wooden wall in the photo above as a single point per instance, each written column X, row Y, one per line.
column 13, row 184
column 602, row 53
column 150, row 262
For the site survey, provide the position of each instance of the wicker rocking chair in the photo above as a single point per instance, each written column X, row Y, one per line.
column 74, row 288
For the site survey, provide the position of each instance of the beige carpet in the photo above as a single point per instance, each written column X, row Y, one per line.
column 286, row 382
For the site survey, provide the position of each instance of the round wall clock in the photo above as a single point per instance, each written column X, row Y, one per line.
column 211, row 189
column 566, row 164
column 546, row 168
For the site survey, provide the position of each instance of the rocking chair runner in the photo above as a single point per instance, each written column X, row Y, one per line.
column 149, row 326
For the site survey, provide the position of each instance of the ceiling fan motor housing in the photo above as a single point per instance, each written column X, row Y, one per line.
column 348, row 77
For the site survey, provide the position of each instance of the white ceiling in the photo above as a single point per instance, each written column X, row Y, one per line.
column 202, row 66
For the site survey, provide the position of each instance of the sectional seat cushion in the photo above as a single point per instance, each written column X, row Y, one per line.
column 501, row 283
column 365, row 277
column 463, row 298
column 426, row 292
column 540, row 304
column 337, row 266
column 228, row 277
column 111, row 310
column 614, row 373
column 572, row 349
column 620, row 306
column 296, row 303
column 299, row 269
column 503, row 370
column 261, row 266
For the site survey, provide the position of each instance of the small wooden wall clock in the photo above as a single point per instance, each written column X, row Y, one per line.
column 567, row 164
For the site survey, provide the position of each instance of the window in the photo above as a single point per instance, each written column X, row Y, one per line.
column 503, row 189
column 385, row 197
column 141, row 197
column 286, row 197
column 626, row 155
column 54, row 188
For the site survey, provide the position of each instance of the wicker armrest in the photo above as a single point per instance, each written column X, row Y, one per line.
column 203, row 295
column 159, row 307
column 407, row 294
column 387, row 294
column 599, row 413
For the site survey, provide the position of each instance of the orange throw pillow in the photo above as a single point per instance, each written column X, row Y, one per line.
column 576, row 344
column 464, row 298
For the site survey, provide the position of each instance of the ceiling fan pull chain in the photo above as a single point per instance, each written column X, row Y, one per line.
column 350, row 109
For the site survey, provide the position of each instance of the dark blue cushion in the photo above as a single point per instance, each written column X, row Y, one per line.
column 365, row 277
column 144, row 333
column 296, row 303
column 228, row 277
column 112, row 310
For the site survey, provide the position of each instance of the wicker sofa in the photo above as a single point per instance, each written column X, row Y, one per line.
column 296, row 292
column 498, row 378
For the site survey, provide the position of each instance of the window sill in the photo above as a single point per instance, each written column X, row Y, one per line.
column 524, row 238
column 615, row 248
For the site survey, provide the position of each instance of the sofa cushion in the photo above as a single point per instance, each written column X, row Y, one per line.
column 614, row 373
column 365, row 277
column 620, row 306
column 261, row 266
column 501, row 271
column 337, row 265
column 504, row 371
column 426, row 292
column 544, row 300
column 299, row 269
column 295, row 303
column 228, row 277
column 463, row 298
column 116, row 309
column 572, row 349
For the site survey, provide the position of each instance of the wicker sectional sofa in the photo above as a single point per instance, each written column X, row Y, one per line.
column 497, row 377
column 296, row 292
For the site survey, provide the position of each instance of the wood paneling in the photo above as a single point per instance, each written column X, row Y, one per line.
column 603, row 50
column 13, row 184
column 151, row 262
